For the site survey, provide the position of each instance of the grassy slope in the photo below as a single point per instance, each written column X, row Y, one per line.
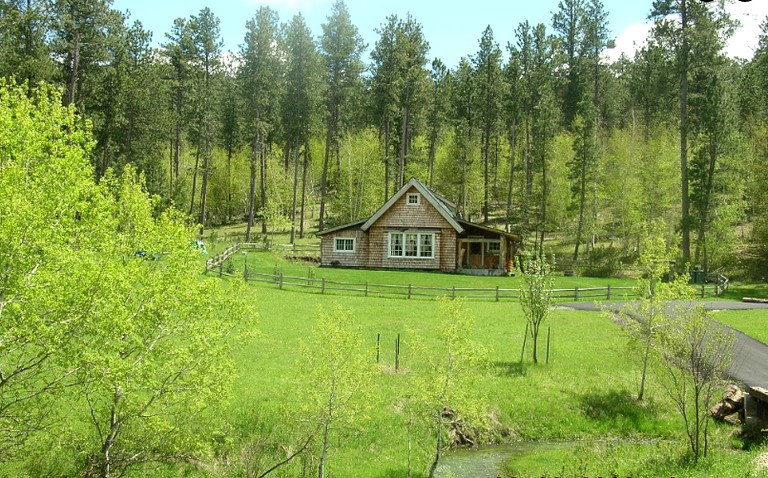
column 582, row 395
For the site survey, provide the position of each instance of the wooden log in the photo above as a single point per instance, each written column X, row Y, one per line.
column 759, row 393
column 754, row 300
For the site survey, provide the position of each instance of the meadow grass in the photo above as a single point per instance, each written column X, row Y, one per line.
column 752, row 322
column 584, row 396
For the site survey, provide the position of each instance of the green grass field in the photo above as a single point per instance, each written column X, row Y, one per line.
column 582, row 398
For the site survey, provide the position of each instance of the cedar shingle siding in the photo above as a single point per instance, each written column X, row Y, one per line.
column 414, row 209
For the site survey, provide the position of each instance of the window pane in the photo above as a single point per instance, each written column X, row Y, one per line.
column 396, row 245
column 411, row 244
column 426, row 245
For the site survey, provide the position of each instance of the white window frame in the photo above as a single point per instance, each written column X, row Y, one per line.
column 404, row 245
column 347, row 251
column 410, row 196
column 494, row 247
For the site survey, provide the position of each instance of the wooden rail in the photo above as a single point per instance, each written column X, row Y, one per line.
column 409, row 291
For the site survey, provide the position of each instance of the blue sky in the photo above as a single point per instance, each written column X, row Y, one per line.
column 452, row 28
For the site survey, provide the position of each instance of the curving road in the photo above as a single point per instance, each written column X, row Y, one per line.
column 750, row 356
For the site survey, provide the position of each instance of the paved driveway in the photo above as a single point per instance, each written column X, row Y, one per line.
column 750, row 356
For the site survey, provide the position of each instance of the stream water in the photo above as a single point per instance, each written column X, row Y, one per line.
column 486, row 462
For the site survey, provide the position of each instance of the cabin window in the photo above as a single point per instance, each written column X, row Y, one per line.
column 413, row 199
column 494, row 247
column 412, row 245
column 344, row 244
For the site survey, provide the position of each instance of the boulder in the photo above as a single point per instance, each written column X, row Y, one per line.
column 730, row 407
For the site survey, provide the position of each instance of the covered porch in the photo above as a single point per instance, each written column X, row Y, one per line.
column 486, row 251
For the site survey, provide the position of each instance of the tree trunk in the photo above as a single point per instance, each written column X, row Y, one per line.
column 263, row 182
column 177, row 144
column 74, row 71
column 439, row 446
column 194, row 182
column 686, row 204
column 387, row 127
column 403, row 148
column 304, row 168
column 109, row 441
column 295, row 192
column 512, row 152
column 252, row 191
column 324, row 177
column 582, row 201
column 229, row 181
column 204, row 185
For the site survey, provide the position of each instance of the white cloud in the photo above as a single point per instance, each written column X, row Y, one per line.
column 742, row 44
column 630, row 40
column 751, row 15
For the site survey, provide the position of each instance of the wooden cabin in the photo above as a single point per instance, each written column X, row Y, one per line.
column 418, row 229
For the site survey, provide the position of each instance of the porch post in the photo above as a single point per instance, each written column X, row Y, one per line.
column 503, row 254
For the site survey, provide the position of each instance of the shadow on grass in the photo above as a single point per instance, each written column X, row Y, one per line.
column 738, row 291
column 617, row 406
column 510, row 369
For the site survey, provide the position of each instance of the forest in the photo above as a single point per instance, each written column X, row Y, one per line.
column 537, row 134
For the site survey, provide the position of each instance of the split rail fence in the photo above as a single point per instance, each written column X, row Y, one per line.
column 410, row 291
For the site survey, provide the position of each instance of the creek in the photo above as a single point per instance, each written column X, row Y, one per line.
column 487, row 462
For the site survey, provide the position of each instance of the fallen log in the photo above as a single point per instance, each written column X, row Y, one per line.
column 755, row 300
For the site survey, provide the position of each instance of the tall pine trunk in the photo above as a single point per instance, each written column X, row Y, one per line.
column 194, row 181
column 685, row 198
column 263, row 183
column 295, row 192
column 304, row 168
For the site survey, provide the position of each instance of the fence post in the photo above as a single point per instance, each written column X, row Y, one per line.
column 221, row 266
column 322, row 285
column 549, row 334
column 366, row 288
column 608, row 294
column 378, row 346
column 703, row 291
column 453, row 292
column 409, row 291
column 281, row 280
column 576, row 294
column 497, row 293
column 397, row 353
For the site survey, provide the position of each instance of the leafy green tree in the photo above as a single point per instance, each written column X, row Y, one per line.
column 79, row 39
column 25, row 52
column 301, row 106
column 438, row 109
column 656, row 292
column 231, row 135
column 342, row 49
column 398, row 87
column 583, row 167
column 338, row 374
column 158, row 338
column 536, row 295
column 694, row 353
column 178, row 50
column 445, row 385
column 108, row 333
column 207, row 43
column 490, row 88
column 692, row 31
column 262, row 76
column 44, row 186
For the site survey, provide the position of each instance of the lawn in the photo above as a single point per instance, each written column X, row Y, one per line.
column 752, row 322
column 583, row 396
